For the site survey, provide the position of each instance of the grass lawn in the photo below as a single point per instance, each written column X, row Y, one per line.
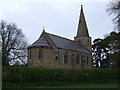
column 31, row 78
column 77, row 85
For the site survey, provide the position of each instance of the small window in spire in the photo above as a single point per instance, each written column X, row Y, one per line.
column 80, row 21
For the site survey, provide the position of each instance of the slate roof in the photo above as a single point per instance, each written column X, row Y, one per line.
column 60, row 42
column 40, row 42
column 65, row 43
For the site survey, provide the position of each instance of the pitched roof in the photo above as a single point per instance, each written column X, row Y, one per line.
column 40, row 42
column 59, row 42
column 65, row 43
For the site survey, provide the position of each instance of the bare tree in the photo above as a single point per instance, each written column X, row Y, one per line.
column 114, row 9
column 14, row 45
column 0, row 48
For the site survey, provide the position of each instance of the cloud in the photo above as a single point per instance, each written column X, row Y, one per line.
column 11, row 7
column 60, row 18
column 54, row 1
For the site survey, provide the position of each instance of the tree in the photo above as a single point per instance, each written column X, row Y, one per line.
column 0, row 49
column 14, row 45
column 106, row 52
column 113, row 46
column 114, row 9
column 99, row 52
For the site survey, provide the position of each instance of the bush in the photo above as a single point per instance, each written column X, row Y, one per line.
column 25, row 74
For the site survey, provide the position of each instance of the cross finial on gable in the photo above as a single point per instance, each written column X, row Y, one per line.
column 43, row 28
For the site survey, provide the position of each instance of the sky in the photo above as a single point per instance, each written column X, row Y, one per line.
column 59, row 17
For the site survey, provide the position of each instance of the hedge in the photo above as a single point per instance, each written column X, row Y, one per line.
column 26, row 74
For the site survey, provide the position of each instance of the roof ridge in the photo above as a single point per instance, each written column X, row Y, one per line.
column 67, row 39
column 60, row 37
column 57, row 40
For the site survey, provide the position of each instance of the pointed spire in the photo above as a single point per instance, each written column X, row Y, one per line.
column 82, row 26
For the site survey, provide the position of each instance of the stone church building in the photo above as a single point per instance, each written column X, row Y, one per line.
column 52, row 51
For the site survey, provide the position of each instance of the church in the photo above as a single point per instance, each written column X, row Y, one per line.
column 53, row 51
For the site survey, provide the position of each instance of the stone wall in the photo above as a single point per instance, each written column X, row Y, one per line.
column 47, row 59
column 52, row 59
column 72, row 59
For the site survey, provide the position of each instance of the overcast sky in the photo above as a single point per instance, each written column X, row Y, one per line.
column 60, row 18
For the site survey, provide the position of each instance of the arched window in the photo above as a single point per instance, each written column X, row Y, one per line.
column 87, row 60
column 66, row 58
column 39, row 53
column 78, row 59
column 83, row 58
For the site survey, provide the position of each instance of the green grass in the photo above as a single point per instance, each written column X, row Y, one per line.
column 60, row 85
column 22, row 77
column 85, row 86
column 23, row 74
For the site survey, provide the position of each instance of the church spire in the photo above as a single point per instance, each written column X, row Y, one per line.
column 82, row 32
column 82, row 26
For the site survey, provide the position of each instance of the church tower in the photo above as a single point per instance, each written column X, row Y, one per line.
column 82, row 32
